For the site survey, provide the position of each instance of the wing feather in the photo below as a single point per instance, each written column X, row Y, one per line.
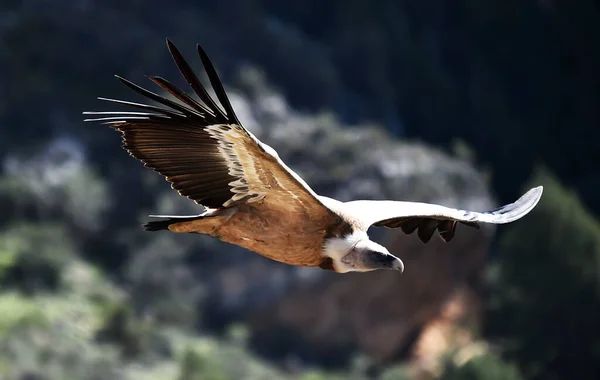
column 187, row 72
column 426, row 218
column 203, row 150
column 217, row 85
column 182, row 96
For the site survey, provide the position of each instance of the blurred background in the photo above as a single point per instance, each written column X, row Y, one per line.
column 466, row 103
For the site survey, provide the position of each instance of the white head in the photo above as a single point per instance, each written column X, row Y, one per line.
column 356, row 253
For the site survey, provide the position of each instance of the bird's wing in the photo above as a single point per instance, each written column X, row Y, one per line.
column 203, row 150
column 426, row 218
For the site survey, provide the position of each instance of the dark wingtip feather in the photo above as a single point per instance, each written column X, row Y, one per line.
column 447, row 228
column 189, row 75
column 157, row 98
column 426, row 229
column 170, row 45
column 162, row 111
column 216, row 84
column 183, row 97
column 157, row 225
column 471, row 224
column 163, row 224
column 409, row 226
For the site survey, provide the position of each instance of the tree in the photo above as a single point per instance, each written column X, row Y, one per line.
column 545, row 296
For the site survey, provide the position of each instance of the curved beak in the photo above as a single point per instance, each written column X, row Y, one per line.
column 398, row 265
column 372, row 260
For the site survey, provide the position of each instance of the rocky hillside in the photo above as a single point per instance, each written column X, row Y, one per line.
column 298, row 318
column 456, row 103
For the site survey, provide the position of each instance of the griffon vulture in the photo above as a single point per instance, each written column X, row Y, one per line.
column 252, row 199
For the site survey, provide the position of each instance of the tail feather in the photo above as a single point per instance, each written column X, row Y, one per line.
column 160, row 225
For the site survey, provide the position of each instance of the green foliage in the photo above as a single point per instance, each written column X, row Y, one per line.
column 33, row 256
column 196, row 367
column 314, row 375
column 7, row 262
column 54, row 353
column 49, row 337
column 546, row 290
column 85, row 199
column 397, row 372
column 15, row 311
column 55, row 183
column 123, row 329
column 515, row 81
column 162, row 284
column 482, row 367
column 209, row 358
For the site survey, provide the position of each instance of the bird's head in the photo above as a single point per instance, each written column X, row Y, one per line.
column 359, row 254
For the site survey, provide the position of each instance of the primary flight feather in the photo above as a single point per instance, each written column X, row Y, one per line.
column 252, row 198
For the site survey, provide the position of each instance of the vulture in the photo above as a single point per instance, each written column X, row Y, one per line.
column 251, row 198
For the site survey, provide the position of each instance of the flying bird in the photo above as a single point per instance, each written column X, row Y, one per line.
column 251, row 198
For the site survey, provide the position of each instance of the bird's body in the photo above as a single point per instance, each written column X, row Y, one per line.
column 253, row 199
column 271, row 233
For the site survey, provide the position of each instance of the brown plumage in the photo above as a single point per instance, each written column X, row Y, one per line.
column 252, row 198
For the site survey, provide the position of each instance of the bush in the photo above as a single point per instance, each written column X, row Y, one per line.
column 122, row 328
column 16, row 311
column 33, row 256
column 484, row 367
column 545, row 298
column 197, row 367
column 51, row 353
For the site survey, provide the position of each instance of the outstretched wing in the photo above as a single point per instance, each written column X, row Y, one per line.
column 203, row 150
column 426, row 218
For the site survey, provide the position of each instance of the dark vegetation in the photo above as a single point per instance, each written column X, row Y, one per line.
column 512, row 86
